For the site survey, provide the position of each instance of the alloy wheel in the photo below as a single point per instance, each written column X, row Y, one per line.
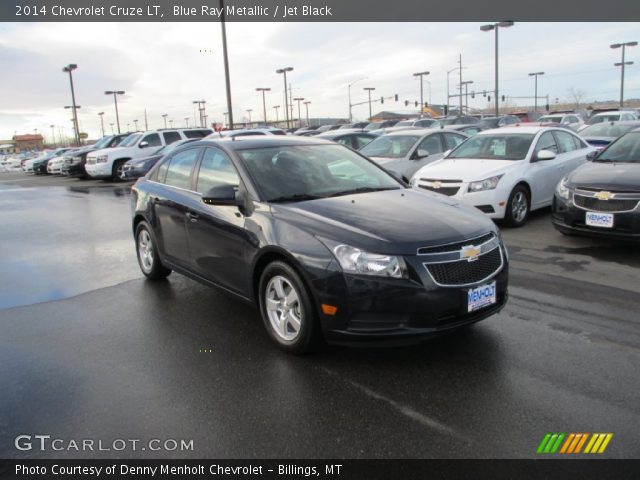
column 283, row 307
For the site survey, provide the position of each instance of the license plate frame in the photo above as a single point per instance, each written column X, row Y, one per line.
column 481, row 297
column 599, row 219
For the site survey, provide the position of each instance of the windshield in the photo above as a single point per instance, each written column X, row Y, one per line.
column 373, row 126
column 103, row 142
column 130, row 140
column 489, row 122
column 405, row 123
column 391, row 146
column 513, row 146
column 607, row 130
column 625, row 149
column 549, row 118
column 296, row 173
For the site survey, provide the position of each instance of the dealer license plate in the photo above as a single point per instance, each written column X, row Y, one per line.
column 597, row 219
column 480, row 297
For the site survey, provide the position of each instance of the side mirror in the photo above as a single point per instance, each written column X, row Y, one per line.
column 144, row 144
column 221, row 195
column 591, row 155
column 420, row 153
column 545, row 155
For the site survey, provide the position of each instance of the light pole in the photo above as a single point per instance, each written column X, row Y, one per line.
column 74, row 120
column 264, row 104
column 69, row 69
column 276, row 107
column 164, row 116
column 421, row 75
column 53, row 135
column 249, row 110
column 227, row 78
column 369, row 89
column 111, row 125
column 171, row 123
column 487, row 28
column 128, row 124
column 299, row 99
column 201, row 110
column 135, row 123
column 622, row 64
column 101, row 114
column 286, row 102
column 535, row 102
column 115, row 94
column 226, row 120
column 349, row 90
column 186, row 122
column 306, row 106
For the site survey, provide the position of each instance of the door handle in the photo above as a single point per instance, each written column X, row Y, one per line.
column 193, row 216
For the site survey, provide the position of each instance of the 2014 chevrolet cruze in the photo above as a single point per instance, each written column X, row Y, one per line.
column 326, row 243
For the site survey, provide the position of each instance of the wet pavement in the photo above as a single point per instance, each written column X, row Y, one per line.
column 89, row 349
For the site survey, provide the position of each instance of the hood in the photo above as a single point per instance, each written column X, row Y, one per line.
column 465, row 169
column 388, row 222
column 607, row 176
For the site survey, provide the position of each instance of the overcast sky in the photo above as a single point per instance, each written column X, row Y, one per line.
column 163, row 67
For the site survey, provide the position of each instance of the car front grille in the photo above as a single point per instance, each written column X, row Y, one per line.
column 597, row 205
column 449, row 191
column 464, row 272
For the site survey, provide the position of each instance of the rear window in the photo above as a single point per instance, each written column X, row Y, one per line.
column 196, row 133
column 170, row 137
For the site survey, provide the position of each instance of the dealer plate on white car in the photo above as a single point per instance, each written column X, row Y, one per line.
column 481, row 296
column 597, row 219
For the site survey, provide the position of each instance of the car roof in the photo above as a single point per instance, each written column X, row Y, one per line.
column 611, row 112
column 520, row 129
column 263, row 141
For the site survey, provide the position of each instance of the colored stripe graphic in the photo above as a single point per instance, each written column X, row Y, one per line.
column 550, row 443
column 573, row 443
column 598, row 442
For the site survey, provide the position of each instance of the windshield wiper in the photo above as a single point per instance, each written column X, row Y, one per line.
column 298, row 197
column 361, row 190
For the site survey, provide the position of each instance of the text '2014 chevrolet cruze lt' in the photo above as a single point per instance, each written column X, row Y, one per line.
column 327, row 244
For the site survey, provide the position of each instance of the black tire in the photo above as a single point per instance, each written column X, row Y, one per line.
column 309, row 335
column 117, row 170
column 514, row 216
column 151, row 266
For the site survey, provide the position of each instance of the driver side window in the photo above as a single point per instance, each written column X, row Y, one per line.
column 431, row 144
column 547, row 142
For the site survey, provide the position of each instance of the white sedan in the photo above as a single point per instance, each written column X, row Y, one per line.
column 507, row 172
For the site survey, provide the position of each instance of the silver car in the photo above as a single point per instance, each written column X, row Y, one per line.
column 404, row 152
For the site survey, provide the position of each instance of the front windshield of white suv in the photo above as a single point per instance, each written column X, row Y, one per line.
column 511, row 146
column 131, row 140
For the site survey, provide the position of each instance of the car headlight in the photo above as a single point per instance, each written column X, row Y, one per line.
column 486, row 184
column 355, row 260
column 101, row 159
column 562, row 190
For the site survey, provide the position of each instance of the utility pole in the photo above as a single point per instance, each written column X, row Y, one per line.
column 622, row 64
column 349, row 91
column 286, row 105
column 135, row 123
column 466, row 84
column 264, row 103
column 306, row 105
column 421, row 75
column 369, row 89
column 69, row 69
column 115, row 94
column 227, row 77
column 535, row 102
column 460, row 74
column 276, row 107
column 299, row 99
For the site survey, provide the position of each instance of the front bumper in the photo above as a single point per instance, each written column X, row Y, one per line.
column 569, row 218
column 98, row 170
column 491, row 202
column 389, row 311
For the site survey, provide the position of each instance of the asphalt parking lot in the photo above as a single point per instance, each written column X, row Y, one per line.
column 89, row 349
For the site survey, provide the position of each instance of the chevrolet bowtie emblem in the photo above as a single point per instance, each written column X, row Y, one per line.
column 470, row 253
column 436, row 184
column 604, row 195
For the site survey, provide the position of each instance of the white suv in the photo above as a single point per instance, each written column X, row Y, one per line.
column 108, row 163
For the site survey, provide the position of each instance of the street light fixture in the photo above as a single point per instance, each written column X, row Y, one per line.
column 535, row 102
column 286, row 102
column 115, row 94
column 622, row 64
column 369, row 89
column 264, row 104
column 487, row 28
column 101, row 115
column 299, row 99
column 164, row 116
column 306, row 106
column 421, row 75
column 69, row 69
column 349, row 90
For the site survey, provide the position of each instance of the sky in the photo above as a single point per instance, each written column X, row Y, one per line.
column 164, row 67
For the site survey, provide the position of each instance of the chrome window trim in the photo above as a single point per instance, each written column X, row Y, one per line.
column 173, row 186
